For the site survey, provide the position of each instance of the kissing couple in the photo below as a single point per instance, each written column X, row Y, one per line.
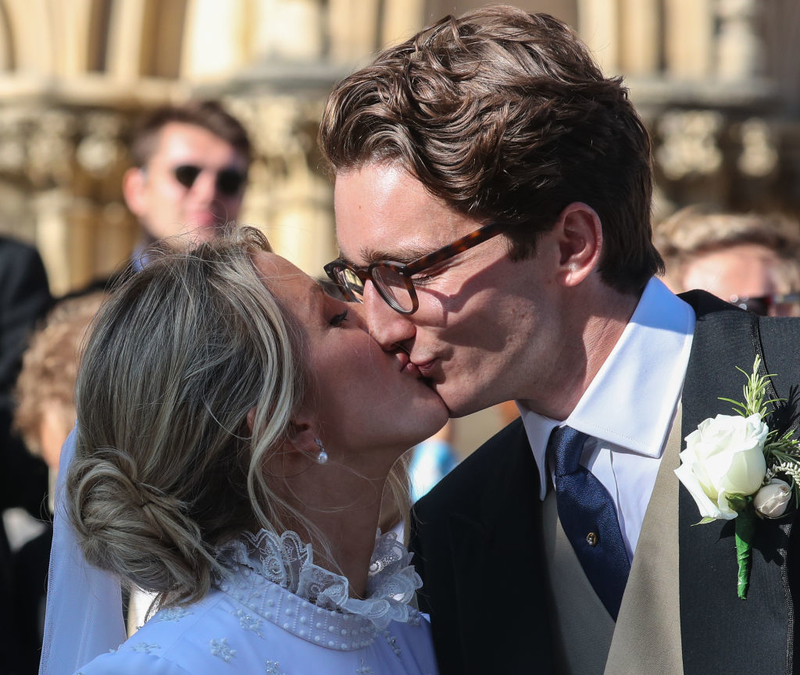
column 237, row 426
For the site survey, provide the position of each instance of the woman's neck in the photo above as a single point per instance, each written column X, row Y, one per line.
column 348, row 526
column 350, row 536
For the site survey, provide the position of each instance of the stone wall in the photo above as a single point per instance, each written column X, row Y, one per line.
column 714, row 80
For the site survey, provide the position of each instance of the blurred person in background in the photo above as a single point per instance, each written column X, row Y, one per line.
column 44, row 416
column 751, row 260
column 189, row 177
column 191, row 164
column 24, row 299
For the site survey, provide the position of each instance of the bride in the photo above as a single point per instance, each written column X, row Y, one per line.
column 236, row 428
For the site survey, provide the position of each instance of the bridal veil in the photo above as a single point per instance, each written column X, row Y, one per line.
column 84, row 604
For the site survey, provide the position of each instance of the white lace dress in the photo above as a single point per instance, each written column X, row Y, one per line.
column 277, row 613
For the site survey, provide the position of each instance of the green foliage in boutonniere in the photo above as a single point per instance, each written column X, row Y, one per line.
column 736, row 466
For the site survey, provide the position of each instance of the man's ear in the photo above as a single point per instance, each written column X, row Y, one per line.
column 134, row 190
column 580, row 241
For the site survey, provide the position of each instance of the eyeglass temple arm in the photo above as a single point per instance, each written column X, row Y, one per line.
column 451, row 250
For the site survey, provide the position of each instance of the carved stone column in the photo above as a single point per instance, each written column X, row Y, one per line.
column 288, row 196
column 740, row 52
column 54, row 240
column 599, row 27
column 689, row 39
column 66, row 164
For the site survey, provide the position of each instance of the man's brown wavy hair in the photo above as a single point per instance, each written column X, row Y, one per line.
column 505, row 116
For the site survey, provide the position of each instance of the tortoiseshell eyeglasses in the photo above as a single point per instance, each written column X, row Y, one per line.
column 393, row 280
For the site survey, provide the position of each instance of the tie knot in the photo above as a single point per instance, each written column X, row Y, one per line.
column 565, row 446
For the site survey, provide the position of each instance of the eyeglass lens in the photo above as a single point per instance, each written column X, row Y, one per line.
column 352, row 281
column 758, row 305
column 786, row 305
column 393, row 287
column 228, row 181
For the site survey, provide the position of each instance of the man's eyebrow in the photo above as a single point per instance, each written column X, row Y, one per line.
column 406, row 256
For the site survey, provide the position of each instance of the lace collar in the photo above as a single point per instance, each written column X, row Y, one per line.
column 289, row 563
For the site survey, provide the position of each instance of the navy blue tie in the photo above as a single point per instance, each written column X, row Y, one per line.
column 589, row 519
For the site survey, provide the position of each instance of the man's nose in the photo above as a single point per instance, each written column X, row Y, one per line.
column 388, row 327
column 205, row 186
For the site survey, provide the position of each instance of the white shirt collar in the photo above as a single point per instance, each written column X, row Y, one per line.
column 631, row 400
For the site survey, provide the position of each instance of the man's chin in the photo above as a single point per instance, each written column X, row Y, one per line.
column 456, row 404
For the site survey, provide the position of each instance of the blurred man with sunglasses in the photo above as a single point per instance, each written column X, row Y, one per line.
column 751, row 260
column 191, row 164
column 493, row 194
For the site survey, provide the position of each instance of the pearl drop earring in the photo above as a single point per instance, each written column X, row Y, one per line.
column 322, row 457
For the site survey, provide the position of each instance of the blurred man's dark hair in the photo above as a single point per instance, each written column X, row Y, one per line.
column 207, row 114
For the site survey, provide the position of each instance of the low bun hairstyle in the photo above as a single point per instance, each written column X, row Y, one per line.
column 166, row 468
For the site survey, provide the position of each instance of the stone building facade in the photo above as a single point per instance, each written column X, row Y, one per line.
column 714, row 79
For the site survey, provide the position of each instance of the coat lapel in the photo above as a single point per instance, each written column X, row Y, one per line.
column 721, row 633
column 498, row 567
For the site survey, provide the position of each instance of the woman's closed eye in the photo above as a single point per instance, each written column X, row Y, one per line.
column 339, row 319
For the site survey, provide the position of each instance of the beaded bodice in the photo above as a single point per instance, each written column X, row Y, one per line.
column 276, row 580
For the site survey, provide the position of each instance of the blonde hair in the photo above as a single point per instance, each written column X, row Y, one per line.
column 50, row 366
column 166, row 467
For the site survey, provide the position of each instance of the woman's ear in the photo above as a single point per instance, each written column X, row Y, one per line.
column 300, row 434
column 295, row 453
column 251, row 415
column 301, row 437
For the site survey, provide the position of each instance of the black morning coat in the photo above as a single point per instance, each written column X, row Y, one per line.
column 477, row 535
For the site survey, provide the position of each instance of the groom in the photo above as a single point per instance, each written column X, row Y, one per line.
column 508, row 183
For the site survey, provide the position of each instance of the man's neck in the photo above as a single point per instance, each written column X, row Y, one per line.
column 579, row 360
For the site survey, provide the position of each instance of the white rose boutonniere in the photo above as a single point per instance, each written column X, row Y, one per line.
column 772, row 499
column 724, row 456
column 730, row 465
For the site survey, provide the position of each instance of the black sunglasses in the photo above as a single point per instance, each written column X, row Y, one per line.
column 229, row 182
column 776, row 304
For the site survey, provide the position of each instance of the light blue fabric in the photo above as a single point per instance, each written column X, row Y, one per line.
column 431, row 461
column 84, row 604
column 221, row 635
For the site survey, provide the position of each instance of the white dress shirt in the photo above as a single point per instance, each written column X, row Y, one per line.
column 628, row 408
